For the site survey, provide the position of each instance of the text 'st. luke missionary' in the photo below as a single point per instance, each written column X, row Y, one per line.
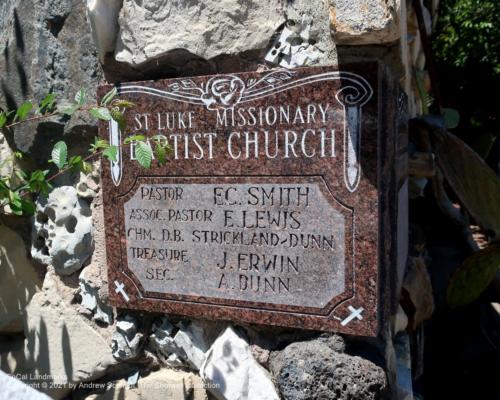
column 269, row 208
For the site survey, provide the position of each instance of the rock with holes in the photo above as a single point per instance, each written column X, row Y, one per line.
column 62, row 230
column 318, row 369
column 203, row 28
column 231, row 372
column 87, row 185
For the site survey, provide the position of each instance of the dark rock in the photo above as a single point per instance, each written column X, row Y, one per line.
column 318, row 369
column 45, row 46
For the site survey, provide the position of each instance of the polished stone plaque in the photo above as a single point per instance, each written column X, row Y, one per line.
column 276, row 203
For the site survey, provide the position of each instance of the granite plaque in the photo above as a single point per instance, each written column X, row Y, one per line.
column 274, row 206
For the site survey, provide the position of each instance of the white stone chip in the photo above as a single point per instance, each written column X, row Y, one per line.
column 231, row 372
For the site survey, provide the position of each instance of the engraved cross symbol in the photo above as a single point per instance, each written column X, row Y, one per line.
column 120, row 288
column 355, row 313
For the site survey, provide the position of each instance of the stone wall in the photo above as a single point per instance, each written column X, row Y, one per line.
column 57, row 332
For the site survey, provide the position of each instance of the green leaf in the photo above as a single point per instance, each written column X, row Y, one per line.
column 451, row 118
column 15, row 203
column 23, row 110
column 38, row 175
column 67, row 108
column 47, row 103
column 87, row 167
column 111, row 153
column 76, row 163
column 108, row 97
column 37, row 182
column 98, row 144
column 476, row 185
column 81, row 97
column 123, row 103
column 22, row 176
column 101, row 113
column 134, row 138
column 60, row 154
column 75, row 160
column 3, row 119
column 143, row 154
column 118, row 116
column 28, row 207
column 473, row 276
column 160, row 154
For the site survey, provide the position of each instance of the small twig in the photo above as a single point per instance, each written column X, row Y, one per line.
column 46, row 116
column 64, row 170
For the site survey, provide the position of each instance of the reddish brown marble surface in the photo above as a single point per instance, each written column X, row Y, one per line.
column 368, row 238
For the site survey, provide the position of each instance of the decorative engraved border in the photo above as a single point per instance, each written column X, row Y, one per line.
column 326, row 311
column 227, row 91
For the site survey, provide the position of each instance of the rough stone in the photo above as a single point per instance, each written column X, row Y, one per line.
column 232, row 372
column 161, row 341
column 46, row 47
column 88, row 184
column 190, row 338
column 103, row 18
column 210, row 28
column 11, row 388
column 307, row 38
column 158, row 385
column 62, row 231
column 7, row 160
column 95, row 273
column 174, row 361
column 261, row 355
column 60, row 343
column 126, row 341
column 90, row 300
column 315, row 369
column 18, row 280
column 365, row 22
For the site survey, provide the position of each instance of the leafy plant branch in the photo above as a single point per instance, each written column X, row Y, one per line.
column 16, row 192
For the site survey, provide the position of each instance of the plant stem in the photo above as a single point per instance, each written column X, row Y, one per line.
column 46, row 116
